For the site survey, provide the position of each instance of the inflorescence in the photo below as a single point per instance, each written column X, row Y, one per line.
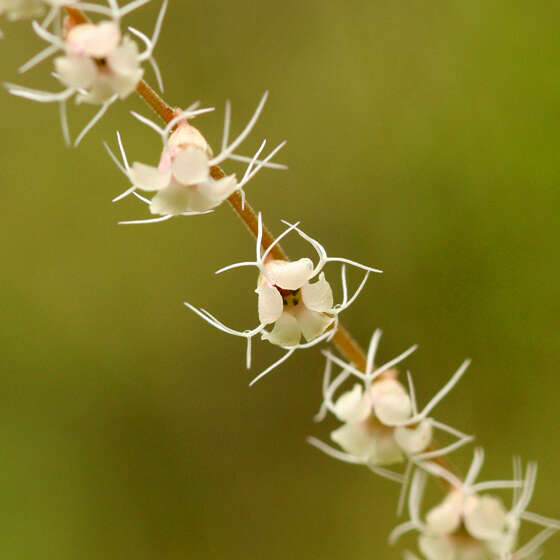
column 381, row 425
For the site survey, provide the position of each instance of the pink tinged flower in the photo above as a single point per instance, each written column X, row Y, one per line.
column 99, row 65
column 182, row 182
column 185, row 162
column 93, row 40
column 117, row 74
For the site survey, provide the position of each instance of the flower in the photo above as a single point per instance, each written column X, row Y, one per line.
column 22, row 9
column 18, row 9
column 99, row 64
column 182, row 181
column 469, row 525
column 381, row 423
column 186, row 180
column 296, row 307
column 293, row 296
column 99, row 61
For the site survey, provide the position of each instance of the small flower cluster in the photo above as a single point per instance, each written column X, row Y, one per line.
column 294, row 298
column 470, row 524
column 99, row 64
column 382, row 427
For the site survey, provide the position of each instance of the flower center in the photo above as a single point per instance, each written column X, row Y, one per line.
column 290, row 298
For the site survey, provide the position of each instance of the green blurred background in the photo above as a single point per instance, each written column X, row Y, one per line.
column 423, row 138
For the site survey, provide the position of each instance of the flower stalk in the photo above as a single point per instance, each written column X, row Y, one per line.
column 381, row 425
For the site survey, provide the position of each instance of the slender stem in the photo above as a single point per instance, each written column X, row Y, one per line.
column 75, row 16
column 155, row 101
column 342, row 339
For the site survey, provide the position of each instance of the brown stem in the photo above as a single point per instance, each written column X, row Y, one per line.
column 342, row 339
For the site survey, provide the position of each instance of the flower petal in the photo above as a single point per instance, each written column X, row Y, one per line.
column 367, row 444
column 124, row 84
column 390, row 401
column 210, row 194
column 289, row 275
column 286, row 331
column 217, row 191
column 445, row 518
column 312, row 323
column 387, row 451
column 487, row 519
column 100, row 91
column 318, row 296
column 270, row 304
column 172, row 200
column 352, row 406
column 436, row 548
column 125, row 68
column 414, row 440
column 76, row 72
column 356, row 440
column 124, row 59
column 190, row 166
column 95, row 40
column 148, row 178
column 187, row 135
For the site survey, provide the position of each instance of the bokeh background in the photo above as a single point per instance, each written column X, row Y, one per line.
column 423, row 138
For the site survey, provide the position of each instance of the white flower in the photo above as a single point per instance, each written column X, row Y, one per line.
column 484, row 517
column 292, row 304
column 413, row 440
column 370, row 442
column 459, row 548
column 18, row 9
column 293, row 296
column 469, row 525
column 381, row 423
column 353, row 406
column 184, row 184
column 382, row 396
column 391, row 402
column 376, row 430
column 185, row 181
column 100, row 62
column 99, row 65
